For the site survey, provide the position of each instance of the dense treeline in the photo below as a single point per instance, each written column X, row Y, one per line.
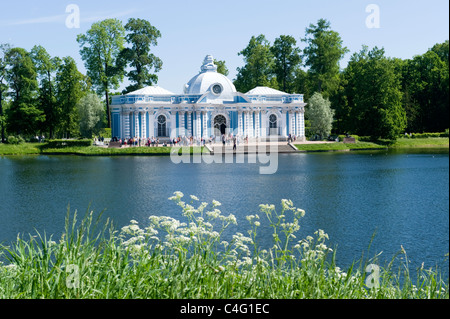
column 47, row 96
column 374, row 95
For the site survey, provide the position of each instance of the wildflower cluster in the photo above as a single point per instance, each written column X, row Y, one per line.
column 194, row 258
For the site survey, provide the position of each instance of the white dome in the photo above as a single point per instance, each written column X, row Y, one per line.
column 208, row 80
column 151, row 90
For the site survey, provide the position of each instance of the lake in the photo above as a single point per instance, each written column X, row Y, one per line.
column 403, row 197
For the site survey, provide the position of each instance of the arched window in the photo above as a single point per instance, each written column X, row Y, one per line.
column 273, row 124
column 162, row 126
column 220, row 125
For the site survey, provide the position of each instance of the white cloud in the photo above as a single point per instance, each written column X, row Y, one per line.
column 60, row 18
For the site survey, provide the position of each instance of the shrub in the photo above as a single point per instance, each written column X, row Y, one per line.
column 68, row 143
column 15, row 140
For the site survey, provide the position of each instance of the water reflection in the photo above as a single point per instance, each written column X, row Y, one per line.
column 402, row 196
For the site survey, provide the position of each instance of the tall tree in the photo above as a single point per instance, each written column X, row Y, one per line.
column 258, row 69
column 46, row 67
column 426, row 89
column 374, row 95
column 287, row 61
column 70, row 88
column 141, row 35
column 320, row 115
column 91, row 114
column 23, row 115
column 100, row 48
column 322, row 54
column 4, row 48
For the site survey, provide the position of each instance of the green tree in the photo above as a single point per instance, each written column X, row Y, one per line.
column 258, row 69
column 46, row 67
column 221, row 67
column 91, row 114
column 100, row 48
column 320, row 115
column 71, row 86
column 426, row 90
column 374, row 97
column 4, row 48
column 322, row 54
column 287, row 61
column 141, row 35
column 23, row 115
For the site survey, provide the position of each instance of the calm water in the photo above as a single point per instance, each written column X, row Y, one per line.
column 403, row 197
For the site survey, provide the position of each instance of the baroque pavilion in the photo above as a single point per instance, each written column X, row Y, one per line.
column 210, row 106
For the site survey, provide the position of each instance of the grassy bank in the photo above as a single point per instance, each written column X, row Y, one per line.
column 338, row 146
column 20, row 149
column 39, row 149
column 190, row 259
column 43, row 149
column 431, row 142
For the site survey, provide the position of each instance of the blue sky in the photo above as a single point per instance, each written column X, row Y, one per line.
column 191, row 29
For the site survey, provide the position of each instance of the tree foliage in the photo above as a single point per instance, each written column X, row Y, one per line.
column 71, row 86
column 24, row 117
column 426, row 90
column 287, row 61
column 4, row 48
column 258, row 68
column 100, row 49
column 221, row 67
column 46, row 67
column 91, row 114
column 374, row 97
column 141, row 36
column 320, row 115
column 322, row 55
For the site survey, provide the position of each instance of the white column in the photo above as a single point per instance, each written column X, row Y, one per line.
column 136, row 124
column 173, row 125
column 240, row 124
column 144, row 125
column 151, row 124
column 283, row 123
column 205, row 124
column 198, row 124
column 182, row 123
column 246, row 127
column 257, row 124
column 263, row 123
column 250, row 124
column 127, row 131
column 291, row 123
column 302, row 124
column 189, row 124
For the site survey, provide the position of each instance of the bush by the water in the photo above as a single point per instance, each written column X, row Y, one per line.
column 68, row 143
column 192, row 259
column 15, row 140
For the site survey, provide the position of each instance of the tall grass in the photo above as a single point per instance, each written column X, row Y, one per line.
column 190, row 258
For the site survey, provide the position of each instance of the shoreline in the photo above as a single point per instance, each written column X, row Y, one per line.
column 302, row 147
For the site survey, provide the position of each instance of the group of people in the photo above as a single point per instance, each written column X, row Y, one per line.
column 292, row 138
column 226, row 139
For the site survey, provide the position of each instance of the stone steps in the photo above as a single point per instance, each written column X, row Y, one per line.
column 254, row 149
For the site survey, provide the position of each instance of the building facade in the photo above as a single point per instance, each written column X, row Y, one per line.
column 210, row 106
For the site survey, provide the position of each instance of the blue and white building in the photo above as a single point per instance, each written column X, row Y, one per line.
column 210, row 106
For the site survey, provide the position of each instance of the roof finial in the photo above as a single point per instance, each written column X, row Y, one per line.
column 208, row 64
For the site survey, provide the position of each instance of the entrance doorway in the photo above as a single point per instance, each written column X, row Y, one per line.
column 220, row 125
column 273, row 124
